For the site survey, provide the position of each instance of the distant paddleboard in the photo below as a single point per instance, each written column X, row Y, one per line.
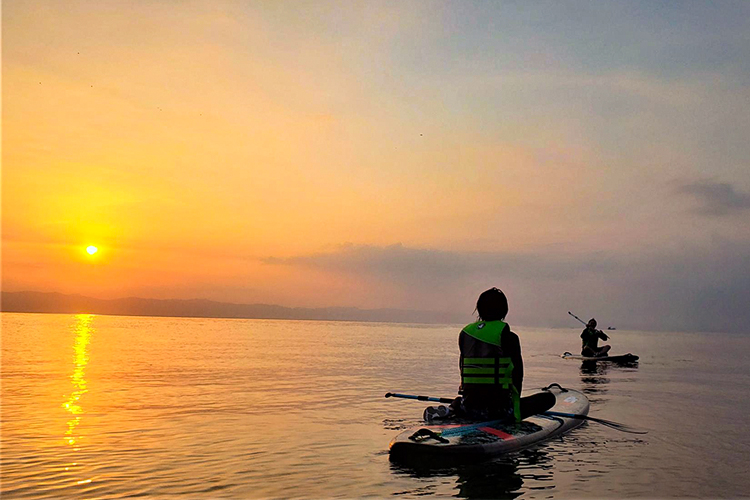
column 622, row 358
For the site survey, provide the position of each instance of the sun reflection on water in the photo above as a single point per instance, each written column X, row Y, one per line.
column 83, row 330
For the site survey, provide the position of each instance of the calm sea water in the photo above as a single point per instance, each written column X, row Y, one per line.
column 105, row 407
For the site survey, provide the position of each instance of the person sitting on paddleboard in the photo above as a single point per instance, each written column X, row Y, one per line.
column 491, row 368
column 590, row 340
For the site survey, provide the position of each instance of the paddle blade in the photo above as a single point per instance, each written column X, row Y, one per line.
column 614, row 425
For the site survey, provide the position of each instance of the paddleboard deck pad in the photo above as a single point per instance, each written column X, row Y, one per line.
column 471, row 440
column 622, row 358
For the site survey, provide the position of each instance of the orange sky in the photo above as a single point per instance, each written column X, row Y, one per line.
column 221, row 149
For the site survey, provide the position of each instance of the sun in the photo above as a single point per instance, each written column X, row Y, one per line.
column 91, row 250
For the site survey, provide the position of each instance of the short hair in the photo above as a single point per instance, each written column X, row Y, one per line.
column 492, row 305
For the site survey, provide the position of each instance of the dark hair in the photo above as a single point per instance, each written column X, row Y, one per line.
column 492, row 305
column 592, row 322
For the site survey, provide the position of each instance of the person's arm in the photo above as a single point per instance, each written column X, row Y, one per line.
column 460, row 364
column 602, row 335
column 512, row 349
column 518, row 368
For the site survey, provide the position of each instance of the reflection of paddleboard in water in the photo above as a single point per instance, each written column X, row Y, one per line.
column 462, row 439
column 622, row 358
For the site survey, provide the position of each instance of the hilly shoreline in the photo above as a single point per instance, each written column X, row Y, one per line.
column 53, row 302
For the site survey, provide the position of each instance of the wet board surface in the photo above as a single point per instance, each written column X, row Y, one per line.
column 622, row 358
column 486, row 439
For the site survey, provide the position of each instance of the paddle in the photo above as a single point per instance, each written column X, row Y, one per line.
column 420, row 398
column 462, row 429
column 576, row 317
column 608, row 423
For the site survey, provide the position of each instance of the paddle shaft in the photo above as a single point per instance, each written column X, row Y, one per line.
column 576, row 317
column 418, row 398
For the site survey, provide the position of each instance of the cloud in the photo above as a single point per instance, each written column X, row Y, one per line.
column 690, row 289
column 403, row 263
column 716, row 198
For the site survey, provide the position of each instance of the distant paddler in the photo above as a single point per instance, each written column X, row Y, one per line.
column 590, row 341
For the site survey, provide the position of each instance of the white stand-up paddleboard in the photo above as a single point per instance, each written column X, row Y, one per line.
column 456, row 440
column 622, row 358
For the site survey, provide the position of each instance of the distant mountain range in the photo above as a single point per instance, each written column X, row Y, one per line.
column 40, row 302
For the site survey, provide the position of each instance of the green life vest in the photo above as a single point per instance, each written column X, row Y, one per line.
column 494, row 370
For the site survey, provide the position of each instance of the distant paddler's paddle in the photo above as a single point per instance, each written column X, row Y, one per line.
column 463, row 429
column 579, row 319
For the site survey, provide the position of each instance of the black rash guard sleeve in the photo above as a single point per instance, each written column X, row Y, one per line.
column 511, row 346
